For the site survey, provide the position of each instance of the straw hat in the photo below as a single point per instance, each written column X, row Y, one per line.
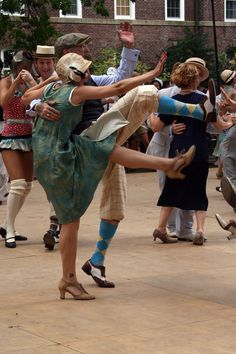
column 72, row 67
column 201, row 65
column 45, row 51
column 227, row 76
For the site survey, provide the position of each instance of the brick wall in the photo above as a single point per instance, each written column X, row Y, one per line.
column 152, row 33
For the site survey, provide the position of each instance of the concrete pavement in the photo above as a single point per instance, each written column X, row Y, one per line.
column 169, row 299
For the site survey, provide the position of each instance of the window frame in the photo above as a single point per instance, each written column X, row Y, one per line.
column 182, row 12
column 79, row 11
column 226, row 19
column 132, row 11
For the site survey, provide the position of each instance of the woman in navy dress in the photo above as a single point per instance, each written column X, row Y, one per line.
column 190, row 192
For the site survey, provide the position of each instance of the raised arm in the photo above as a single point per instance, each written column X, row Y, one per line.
column 228, row 104
column 37, row 91
column 8, row 86
column 83, row 93
column 7, row 90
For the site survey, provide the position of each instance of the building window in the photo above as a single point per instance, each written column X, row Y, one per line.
column 76, row 10
column 125, row 9
column 230, row 10
column 174, row 10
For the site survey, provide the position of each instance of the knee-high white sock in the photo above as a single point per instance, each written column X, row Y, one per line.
column 14, row 203
column 27, row 191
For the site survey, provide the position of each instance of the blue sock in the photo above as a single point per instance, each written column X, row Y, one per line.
column 106, row 233
column 168, row 105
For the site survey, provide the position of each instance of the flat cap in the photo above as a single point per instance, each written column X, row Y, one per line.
column 70, row 40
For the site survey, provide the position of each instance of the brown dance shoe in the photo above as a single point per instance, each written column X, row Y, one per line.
column 98, row 274
column 163, row 236
column 180, row 162
column 75, row 289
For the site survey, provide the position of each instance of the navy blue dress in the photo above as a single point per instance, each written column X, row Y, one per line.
column 190, row 193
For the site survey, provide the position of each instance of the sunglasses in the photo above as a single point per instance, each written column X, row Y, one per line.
column 78, row 72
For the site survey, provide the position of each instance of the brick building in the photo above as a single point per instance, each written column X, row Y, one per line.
column 157, row 23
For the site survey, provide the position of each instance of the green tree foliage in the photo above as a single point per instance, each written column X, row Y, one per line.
column 110, row 57
column 193, row 44
column 32, row 26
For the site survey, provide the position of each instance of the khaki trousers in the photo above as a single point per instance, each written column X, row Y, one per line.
column 135, row 106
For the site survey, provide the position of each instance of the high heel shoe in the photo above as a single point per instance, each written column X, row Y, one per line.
column 180, row 162
column 75, row 289
column 163, row 236
column 229, row 191
column 230, row 226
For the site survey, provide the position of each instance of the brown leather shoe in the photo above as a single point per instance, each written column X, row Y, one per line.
column 163, row 236
column 98, row 274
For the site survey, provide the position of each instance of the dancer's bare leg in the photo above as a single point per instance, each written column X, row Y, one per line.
column 135, row 159
column 163, row 218
column 160, row 232
column 200, row 220
column 68, row 249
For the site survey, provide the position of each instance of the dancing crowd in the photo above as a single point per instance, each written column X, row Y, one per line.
column 55, row 129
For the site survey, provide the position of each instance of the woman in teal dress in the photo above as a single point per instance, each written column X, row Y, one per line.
column 69, row 167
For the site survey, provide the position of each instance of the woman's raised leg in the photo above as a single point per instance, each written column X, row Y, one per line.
column 135, row 159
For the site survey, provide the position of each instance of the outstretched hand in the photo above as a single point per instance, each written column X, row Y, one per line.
column 227, row 105
column 126, row 35
column 161, row 63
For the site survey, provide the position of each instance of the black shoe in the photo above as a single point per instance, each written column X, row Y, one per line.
column 11, row 243
column 98, row 274
column 3, row 233
column 219, row 189
column 50, row 238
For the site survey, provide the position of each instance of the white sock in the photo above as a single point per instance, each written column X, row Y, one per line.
column 14, row 203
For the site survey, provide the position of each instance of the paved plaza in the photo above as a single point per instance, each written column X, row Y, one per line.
column 169, row 299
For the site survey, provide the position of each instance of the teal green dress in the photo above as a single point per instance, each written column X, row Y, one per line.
column 69, row 167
